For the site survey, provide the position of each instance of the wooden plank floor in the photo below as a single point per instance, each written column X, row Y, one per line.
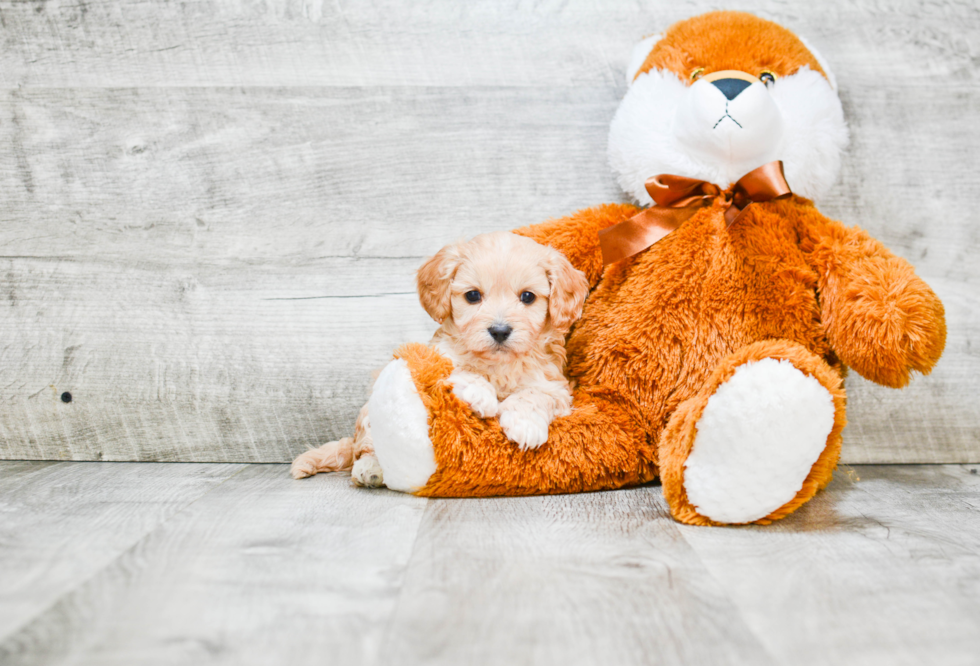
column 143, row 563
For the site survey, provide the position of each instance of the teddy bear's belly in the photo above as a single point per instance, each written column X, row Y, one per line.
column 657, row 326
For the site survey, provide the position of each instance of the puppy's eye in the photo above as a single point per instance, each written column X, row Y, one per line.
column 696, row 74
column 767, row 77
column 473, row 296
column 527, row 298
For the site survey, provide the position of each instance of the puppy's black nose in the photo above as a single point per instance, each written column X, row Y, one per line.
column 500, row 332
column 730, row 88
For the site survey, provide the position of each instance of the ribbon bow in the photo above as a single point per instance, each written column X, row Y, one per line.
column 678, row 198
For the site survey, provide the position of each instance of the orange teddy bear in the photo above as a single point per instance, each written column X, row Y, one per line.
column 712, row 348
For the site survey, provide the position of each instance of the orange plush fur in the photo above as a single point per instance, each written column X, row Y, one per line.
column 741, row 42
column 663, row 329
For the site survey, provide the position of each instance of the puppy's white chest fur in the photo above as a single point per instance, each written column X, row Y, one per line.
column 523, row 393
column 506, row 377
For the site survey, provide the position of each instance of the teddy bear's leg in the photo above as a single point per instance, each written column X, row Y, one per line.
column 760, row 439
column 400, row 429
column 430, row 442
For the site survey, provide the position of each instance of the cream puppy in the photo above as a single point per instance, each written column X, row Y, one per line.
column 504, row 304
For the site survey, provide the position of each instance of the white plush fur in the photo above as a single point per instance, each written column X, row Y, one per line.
column 639, row 55
column 664, row 126
column 822, row 61
column 815, row 132
column 400, row 429
column 733, row 135
column 756, row 441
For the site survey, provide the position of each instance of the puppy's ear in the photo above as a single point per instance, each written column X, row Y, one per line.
column 433, row 281
column 569, row 287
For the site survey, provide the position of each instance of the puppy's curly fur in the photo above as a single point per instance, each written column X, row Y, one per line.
column 505, row 305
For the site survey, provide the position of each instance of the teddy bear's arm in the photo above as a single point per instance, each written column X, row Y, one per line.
column 577, row 236
column 880, row 318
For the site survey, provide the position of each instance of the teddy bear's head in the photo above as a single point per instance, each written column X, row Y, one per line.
column 716, row 96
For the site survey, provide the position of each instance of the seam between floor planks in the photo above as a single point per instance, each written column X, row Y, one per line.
column 614, row 546
column 612, row 569
column 390, row 622
column 110, row 614
column 898, row 607
column 123, row 552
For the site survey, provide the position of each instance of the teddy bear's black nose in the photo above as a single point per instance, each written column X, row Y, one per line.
column 730, row 88
column 500, row 332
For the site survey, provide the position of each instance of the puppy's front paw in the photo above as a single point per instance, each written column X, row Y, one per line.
column 526, row 427
column 477, row 393
column 367, row 472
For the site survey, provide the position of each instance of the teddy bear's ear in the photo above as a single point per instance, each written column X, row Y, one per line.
column 639, row 56
column 569, row 287
column 823, row 63
column 433, row 280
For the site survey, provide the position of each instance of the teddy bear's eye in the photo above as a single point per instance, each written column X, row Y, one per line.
column 473, row 296
column 767, row 77
column 527, row 297
column 696, row 74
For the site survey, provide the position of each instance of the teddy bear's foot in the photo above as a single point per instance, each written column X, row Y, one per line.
column 756, row 441
column 400, row 429
column 746, row 449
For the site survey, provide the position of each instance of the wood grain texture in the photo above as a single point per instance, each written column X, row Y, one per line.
column 13, row 471
column 574, row 579
column 262, row 570
column 882, row 568
column 63, row 523
column 281, row 176
column 433, row 42
column 183, row 365
column 172, row 165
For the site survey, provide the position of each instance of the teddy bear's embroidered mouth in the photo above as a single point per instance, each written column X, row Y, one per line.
column 729, row 117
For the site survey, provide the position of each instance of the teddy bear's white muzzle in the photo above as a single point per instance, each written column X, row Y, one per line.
column 729, row 120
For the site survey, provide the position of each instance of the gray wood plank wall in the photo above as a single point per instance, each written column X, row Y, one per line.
column 212, row 210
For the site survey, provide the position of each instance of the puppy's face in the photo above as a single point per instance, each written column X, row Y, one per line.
column 502, row 292
column 499, row 301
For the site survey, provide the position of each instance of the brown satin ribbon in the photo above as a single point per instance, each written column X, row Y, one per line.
column 678, row 198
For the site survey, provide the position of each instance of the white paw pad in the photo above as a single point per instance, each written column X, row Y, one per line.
column 367, row 472
column 526, row 428
column 481, row 397
column 759, row 436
